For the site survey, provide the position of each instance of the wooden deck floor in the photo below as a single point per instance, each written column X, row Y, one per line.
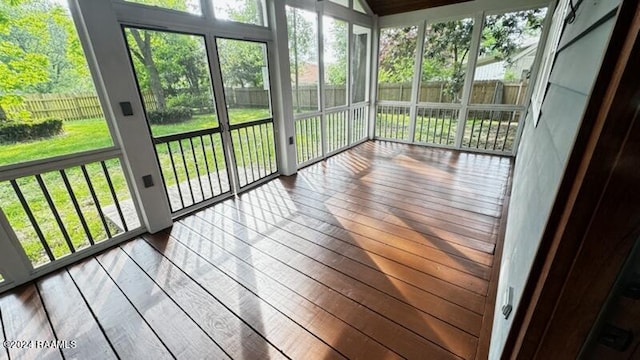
column 383, row 251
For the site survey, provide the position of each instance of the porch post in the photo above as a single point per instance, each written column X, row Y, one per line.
column 283, row 101
column 373, row 83
column 14, row 264
column 478, row 24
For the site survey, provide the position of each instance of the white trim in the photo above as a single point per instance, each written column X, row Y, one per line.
column 108, row 52
column 31, row 168
column 284, row 121
column 373, row 82
column 164, row 19
column 16, row 267
column 549, row 41
column 478, row 25
column 417, row 77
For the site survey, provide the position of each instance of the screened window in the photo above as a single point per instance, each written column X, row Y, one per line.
column 244, row 11
column 344, row 3
column 507, row 51
column 360, row 63
column 396, row 63
column 302, row 27
column 336, row 50
column 190, row 6
column 48, row 101
column 444, row 61
column 357, row 6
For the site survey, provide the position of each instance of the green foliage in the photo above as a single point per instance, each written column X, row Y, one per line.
column 397, row 54
column 241, row 62
column 336, row 40
column 302, row 41
column 170, row 115
column 447, row 47
column 11, row 132
column 195, row 101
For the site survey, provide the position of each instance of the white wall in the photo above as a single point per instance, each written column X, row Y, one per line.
column 544, row 151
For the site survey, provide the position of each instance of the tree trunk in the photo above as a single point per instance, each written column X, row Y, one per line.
column 3, row 115
column 150, row 65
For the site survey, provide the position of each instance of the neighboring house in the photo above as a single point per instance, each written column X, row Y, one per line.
column 490, row 68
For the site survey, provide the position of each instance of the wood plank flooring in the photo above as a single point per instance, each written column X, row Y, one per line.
column 384, row 251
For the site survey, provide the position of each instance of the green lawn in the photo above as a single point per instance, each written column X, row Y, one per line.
column 91, row 134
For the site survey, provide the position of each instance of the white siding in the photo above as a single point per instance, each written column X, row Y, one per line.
column 544, row 151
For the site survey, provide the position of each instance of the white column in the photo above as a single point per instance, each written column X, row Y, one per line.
column 113, row 75
column 417, row 75
column 14, row 264
column 478, row 24
column 373, row 82
column 281, row 87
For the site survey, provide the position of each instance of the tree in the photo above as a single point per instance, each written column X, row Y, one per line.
column 14, row 61
column 397, row 54
column 143, row 51
column 447, row 47
column 336, row 43
column 302, row 45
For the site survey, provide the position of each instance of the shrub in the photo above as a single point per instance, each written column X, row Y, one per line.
column 190, row 101
column 169, row 116
column 12, row 131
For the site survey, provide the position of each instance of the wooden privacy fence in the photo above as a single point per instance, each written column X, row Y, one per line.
column 483, row 92
column 68, row 106
column 86, row 106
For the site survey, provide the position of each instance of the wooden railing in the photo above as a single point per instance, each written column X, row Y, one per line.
column 359, row 123
column 336, row 123
column 193, row 167
column 308, row 138
column 392, row 122
column 254, row 150
column 436, row 126
column 67, row 205
column 491, row 129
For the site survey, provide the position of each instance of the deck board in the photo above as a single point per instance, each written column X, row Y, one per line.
column 382, row 251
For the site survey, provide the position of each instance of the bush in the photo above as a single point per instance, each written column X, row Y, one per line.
column 169, row 116
column 12, row 131
column 190, row 101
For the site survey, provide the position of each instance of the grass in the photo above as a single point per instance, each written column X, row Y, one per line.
column 91, row 134
column 480, row 132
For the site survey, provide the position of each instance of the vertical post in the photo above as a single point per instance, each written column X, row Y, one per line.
column 373, row 83
column 349, row 78
column 108, row 59
column 415, row 86
column 15, row 265
column 321, row 94
column 478, row 24
column 283, row 106
column 222, row 99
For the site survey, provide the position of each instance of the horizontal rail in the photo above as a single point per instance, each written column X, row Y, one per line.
column 431, row 105
column 185, row 135
column 250, row 123
column 62, row 210
column 36, row 167
column 497, row 107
